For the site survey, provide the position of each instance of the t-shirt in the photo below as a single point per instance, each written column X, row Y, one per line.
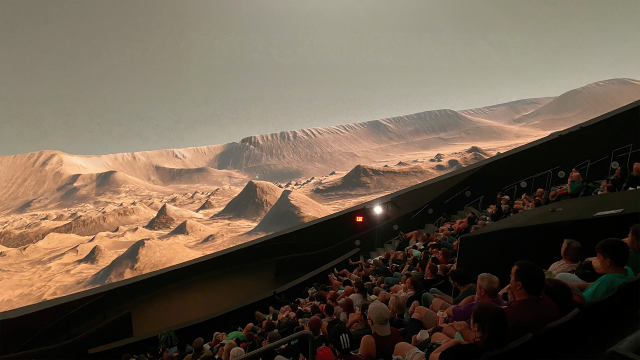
column 358, row 300
column 471, row 290
column 634, row 261
column 451, row 240
column 530, row 315
column 606, row 284
column 235, row 335
column 463, row 313
column 337, row 310
column 561, row 267
column 576, row 188
column 462, row 351
column 386, row 344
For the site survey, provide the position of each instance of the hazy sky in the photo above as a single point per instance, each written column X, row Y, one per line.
column 97, row 77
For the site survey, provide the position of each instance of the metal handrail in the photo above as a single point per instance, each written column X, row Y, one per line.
column 620, row 148
column 275, row 345
column 529, row 177
column 457, row 194
column 416, row 214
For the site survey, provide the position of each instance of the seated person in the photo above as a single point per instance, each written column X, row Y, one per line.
column 460, row 279
column 341, row 340
column 489, row 332
column 487, row 287
column 381, row 343
column 570, row 252
column 613, row 255
column 528, row 202
column 431, row 276
column 633, row 181
column 572, row 189
column 531, row 309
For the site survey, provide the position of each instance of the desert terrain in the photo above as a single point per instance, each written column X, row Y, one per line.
column 73, row 222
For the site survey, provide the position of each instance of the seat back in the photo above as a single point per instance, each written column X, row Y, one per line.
column 516, row 349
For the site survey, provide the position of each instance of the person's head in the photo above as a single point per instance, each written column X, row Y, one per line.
column 315, row 309
column 414, row 261
column 446, row 234
column 482, row 223
column 250, row 337
column 432, row 269
column 198, row 344
column 570, row 251
column 248, row 328
column 347, row 306
column 487, row 287
column 315, row 324
column 396, row 305
column 636, row 169
column 378, row 317
column 328, row 310
column 527, row 280
column 341, row 339
column 346, row 282
column 236, row 352
column 229, row 346
column 384, row 298
column 152, row 353
column 560, row 293
column 610, row 188
column 459, row 277
column 422, row 265
column 412, row 284
column 576, row 177
column 275, row 336
column 612, row 254
column 444, row 270
column 633, row 240
column 182, row 347
column 446, row 254
column 268, row 326
column 540, row 193
column 489, row 322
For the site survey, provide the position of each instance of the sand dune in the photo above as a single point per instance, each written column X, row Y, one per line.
column 144, row 256
column 190, row 227
column 253, row 202
column 168, row 215
column 206, row 206
column 98, row 255
column 291, row 209
column 364, row 178
column 576, row 106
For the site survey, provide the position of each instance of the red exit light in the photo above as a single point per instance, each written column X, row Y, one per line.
column 359, row 218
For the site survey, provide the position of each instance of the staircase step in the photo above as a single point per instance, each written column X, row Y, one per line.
column 373, row 254
column 462, row 214
column 361, row 258
column 380, row 251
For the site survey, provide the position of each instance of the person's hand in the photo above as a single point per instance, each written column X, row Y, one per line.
column 460, row 325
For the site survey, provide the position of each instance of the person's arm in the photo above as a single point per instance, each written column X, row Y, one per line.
column 469, row 299
column 464, row 329
column 581, row 286
column 435, row 355
column 447, row 299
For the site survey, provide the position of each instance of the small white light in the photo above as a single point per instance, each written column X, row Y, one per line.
column 377, row 209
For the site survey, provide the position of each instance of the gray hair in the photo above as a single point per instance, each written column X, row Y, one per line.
column 490, row 284
column 572, row 251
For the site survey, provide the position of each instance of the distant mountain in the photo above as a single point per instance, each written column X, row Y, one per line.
column 253, row 202
column 291, row 209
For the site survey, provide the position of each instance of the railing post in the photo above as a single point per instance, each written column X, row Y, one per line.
column 305, row 333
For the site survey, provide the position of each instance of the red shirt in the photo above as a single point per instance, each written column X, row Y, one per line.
column 386, row 344
column 530, row 315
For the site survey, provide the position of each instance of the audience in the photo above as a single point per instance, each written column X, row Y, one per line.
column 380, row 307
column 633, row 181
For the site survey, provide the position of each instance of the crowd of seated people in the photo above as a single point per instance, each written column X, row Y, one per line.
column 387, row 308
column 359, row 315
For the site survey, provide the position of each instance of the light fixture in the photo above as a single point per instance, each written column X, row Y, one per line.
column 377, row 209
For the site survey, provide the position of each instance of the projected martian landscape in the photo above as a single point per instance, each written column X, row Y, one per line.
column 73, row 222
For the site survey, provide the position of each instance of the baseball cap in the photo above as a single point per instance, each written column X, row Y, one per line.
column 324, row 353
column 341, row 338
column 379, row 314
